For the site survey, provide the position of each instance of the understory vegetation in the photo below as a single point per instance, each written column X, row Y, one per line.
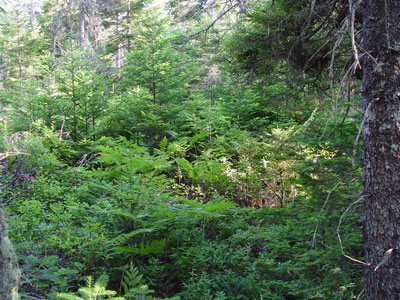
column 170, row 159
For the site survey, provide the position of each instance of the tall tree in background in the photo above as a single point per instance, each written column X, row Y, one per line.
column 20, row 47
column 156, row 62
column 381, row 93
column 117, row 18
column 73, row 23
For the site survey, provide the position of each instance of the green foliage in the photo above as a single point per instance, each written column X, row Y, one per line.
column 124, row 209
column 132, row 285
column 155, row 64
column 96, row 291
column 147, row 248
column 82, row 92
column 45, row 273
column 285, row 32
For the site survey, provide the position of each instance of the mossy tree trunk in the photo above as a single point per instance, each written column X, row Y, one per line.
column 381, row 94
column 9, row 270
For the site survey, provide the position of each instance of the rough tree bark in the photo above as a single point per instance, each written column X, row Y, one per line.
column 381, row 94
column 9, row 271
column 82, row 25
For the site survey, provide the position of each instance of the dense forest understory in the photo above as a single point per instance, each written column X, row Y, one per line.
column 182, row 149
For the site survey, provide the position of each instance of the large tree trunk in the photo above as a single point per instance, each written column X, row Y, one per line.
column 129, row 46
column 118, row 64
column 82, row 25
column 381, row 93
column 9, row 271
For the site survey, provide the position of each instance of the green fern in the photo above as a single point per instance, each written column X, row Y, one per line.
column 97, row 291
column 131, row 279
column 152, row 247
column 132, row 286
column 186, row 167
column 122, row 238
column 164, row 144
column 146, row 248
column 68, row 296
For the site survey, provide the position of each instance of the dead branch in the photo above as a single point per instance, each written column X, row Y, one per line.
column 322, row 210
column 338, row 233
column 220, row 16
column 359, row 133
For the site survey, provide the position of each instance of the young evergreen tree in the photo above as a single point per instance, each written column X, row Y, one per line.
column 20, row 48
column 23, row 51
column 82, row 94
column 157, row 64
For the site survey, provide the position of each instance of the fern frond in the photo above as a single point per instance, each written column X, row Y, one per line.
column 163, row 144
column 132, row 286
column 131, row 279
column 123, row 237
column 68, row 296
column 149, row 247
column 93, row 292
column 102, row 282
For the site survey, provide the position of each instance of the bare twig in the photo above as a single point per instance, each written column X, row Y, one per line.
column 322, row 210
column 311, row 12
column 345, row 78
column 4, row 155
column 221, row 15
column 271, row 6
column 347, row 256
column 340, row 238
column 315, row 53
column 347, row 210
column 352, row 15
column 359, row 134
column 30, row 297
column 360, row 294
column 60, row 134
column 85, row 159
